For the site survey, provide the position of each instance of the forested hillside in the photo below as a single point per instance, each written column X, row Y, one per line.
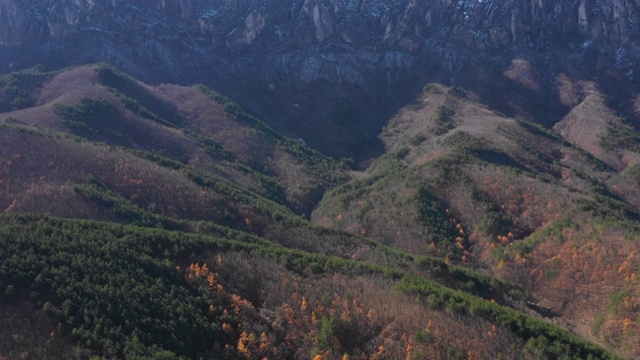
column 166, row 222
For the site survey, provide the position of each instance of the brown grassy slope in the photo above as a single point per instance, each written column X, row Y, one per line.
column 52, row 173
column 46, row 172
column 249, row 147
column 471, row 159
column 241, row 150
column 471, row 185
column 68, row 87
column 39, row 171
column 585, row 125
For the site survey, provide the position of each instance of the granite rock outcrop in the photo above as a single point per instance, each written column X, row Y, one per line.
column 318, row 69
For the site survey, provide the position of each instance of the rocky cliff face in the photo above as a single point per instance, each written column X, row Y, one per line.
column 400, row 24
column 348, row 63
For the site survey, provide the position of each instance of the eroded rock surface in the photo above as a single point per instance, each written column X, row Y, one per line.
column 321, row 68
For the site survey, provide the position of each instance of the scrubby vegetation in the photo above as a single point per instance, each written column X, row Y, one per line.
column 318, row 164
column 88, row 114
column 620, row 135
column 318, row 172
column 542, row 337
column 505, row 195
column 129, row 291
column 169, row 222
column 443, row 120
column 17, row 87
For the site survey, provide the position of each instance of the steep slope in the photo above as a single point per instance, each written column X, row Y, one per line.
column 193, row 126
column 458, row 154
column 158, row 294
column 332, row 72
column 115, row 194
column 415, row 256
column 468, row 184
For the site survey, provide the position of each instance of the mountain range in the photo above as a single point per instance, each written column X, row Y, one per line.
column 319, row 179
column 351, row 64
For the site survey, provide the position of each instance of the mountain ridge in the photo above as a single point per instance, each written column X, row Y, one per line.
column 437, row 216
column 343, row 63
column 170, row 184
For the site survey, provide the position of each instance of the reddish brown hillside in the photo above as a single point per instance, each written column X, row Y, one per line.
column 555, row 212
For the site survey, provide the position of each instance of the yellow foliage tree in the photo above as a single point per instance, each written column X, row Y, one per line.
column 211, row 281
column 243, row 341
